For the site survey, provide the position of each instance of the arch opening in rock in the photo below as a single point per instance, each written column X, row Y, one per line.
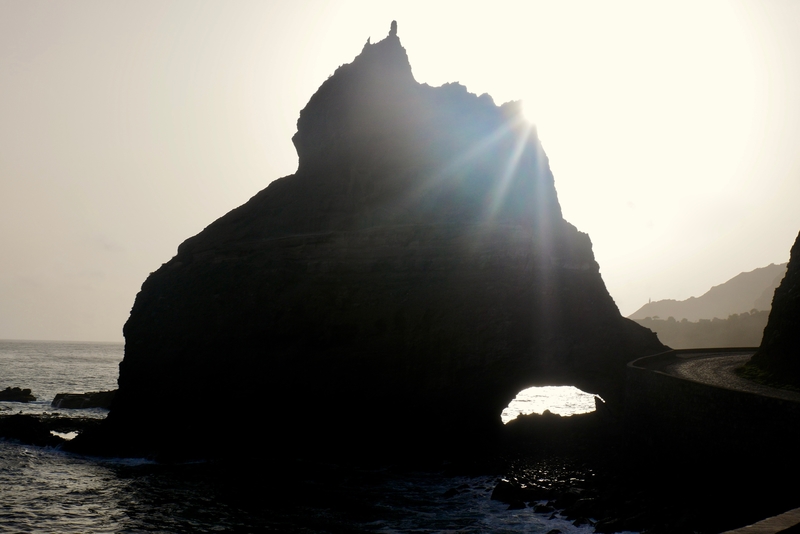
column 560, row 400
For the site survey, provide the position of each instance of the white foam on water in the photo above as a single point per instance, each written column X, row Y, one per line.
column 64, row 435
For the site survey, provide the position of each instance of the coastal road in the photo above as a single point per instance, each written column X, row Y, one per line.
column 717, row 369
column 752, row 424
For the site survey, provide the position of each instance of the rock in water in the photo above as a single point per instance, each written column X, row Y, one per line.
column 779, row 353
column 16, row 395
column 92, row 399
column 394, row 294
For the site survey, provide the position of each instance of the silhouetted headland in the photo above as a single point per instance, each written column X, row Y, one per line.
column 390, row 297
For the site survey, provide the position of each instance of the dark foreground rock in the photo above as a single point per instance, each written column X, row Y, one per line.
column 27, row 429
column 390, row 297
column 16, row 395
column 778, row 357
column 92, row 399
column 37, row 429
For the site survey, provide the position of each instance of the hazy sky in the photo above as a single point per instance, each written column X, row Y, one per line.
column 673, row 130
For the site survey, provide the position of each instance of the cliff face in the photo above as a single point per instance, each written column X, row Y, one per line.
column 779, row 354
column 396, row 292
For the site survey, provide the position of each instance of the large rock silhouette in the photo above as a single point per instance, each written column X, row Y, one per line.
column 393, row 295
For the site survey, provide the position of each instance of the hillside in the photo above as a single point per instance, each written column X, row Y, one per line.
column 744, row 292
column 738, row 330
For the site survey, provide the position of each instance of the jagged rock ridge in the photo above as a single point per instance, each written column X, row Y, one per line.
column 394, row 294
column 779, row 353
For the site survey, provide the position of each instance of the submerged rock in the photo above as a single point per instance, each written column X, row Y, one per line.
column 391, row 296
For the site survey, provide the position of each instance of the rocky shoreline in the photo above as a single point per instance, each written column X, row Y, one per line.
column 584, row 468
column 47, row 429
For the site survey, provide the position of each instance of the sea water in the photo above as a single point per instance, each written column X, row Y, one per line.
column 51, row 367
column 48, row 490
column 559, row 400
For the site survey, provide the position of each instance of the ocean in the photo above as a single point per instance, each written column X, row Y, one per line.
column 48, row 490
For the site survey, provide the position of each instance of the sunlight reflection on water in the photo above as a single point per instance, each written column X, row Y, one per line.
column 560, row 400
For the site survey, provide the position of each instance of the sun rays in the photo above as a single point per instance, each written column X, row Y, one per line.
column 491, row 171
column 500, row 189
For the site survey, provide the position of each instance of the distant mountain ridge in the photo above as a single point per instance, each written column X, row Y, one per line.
column 742, row 293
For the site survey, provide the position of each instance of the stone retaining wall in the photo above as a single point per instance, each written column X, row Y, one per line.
column 698, row 420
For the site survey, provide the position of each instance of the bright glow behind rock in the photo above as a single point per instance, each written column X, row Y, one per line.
column 560, row 400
